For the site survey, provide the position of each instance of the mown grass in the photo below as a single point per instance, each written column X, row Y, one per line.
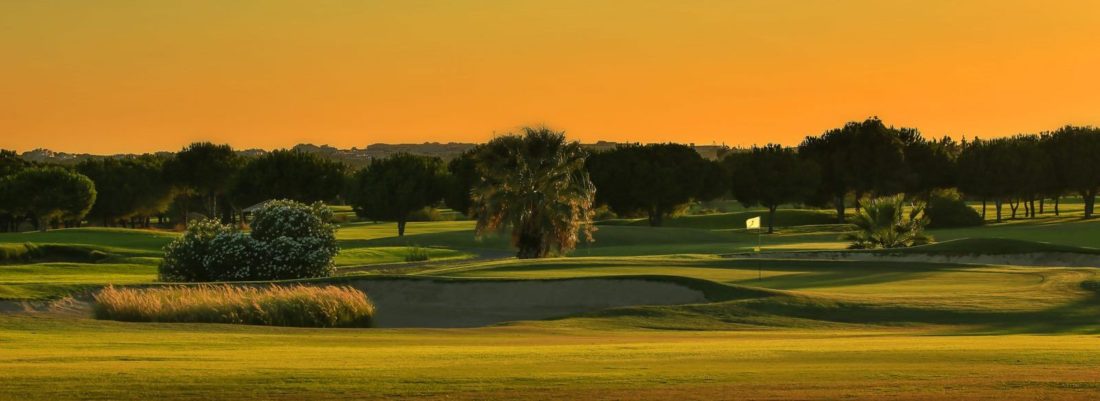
column 297, row 305
column 48, row 358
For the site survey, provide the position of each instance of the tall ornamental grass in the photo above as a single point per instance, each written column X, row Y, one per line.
column 272, row 305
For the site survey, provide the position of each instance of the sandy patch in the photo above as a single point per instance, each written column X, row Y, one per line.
column 461, row 303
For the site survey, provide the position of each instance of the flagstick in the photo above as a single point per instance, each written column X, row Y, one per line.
column 759, row 267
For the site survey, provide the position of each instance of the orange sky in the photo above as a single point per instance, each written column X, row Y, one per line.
column 128, row 76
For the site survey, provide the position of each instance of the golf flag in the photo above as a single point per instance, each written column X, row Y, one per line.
column 752, row 223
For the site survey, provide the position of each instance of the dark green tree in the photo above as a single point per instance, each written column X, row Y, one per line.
column 1075, row 159
column 462, row 175
column 127, row 188
column 861, row 158
column 10, row 163
column 288, row 174
column 770, row 176
column 536, row 184
column 985, row 168
column 654, row 180
column 394, row 187
column 930, row 164
column 48, row 194
column 205, row 169
column 1030, row 174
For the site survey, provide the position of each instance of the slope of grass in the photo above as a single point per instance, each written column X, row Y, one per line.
column 112, row 240
column 1067, row 231
column 393, row 254
column 921, row 285
column 29, row 252
column 988, row 246
column 54, row 280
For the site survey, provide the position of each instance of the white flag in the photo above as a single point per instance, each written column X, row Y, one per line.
column 752, row 223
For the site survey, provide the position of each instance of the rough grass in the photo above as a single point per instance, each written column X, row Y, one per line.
column 297, row 306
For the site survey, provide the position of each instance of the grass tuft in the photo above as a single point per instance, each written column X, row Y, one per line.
column 416, row 254
column 297, row 306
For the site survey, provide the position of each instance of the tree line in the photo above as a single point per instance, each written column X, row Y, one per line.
column 837, row 169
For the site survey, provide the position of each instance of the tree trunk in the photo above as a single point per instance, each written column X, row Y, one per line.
column 656, row 217
column 771, row 219
column 840, row 209
column 983, row 209
column 401, row 228
column 1032, row 202
column 213, row 213
column 1057, row 202
column 530, row 246
column 1090, row 202
column 1042, row 205
column 1014, row 205
column 998, row 205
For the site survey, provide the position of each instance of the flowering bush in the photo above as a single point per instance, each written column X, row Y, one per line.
column 185, row 257
column 288, row 240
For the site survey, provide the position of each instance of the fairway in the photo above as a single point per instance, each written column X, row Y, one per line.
column 46, row 359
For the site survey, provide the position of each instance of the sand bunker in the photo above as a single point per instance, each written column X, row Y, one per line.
column 1059, row 259
column 442, row 303
column 462, row 303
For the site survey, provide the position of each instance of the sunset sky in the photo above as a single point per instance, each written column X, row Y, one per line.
column 132, row 76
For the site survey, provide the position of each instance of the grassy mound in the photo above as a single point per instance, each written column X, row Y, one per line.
column 121, row 241
column 988, row 246
column 298, row 306
column 30, row 252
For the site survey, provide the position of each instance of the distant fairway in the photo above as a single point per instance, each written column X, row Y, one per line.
column 769, row 328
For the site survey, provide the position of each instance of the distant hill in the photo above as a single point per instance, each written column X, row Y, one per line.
column 354, row 157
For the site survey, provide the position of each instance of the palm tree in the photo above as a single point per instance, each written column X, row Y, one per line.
column 883, row 223
column 536, row 184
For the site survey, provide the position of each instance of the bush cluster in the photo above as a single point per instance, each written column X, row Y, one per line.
column 288, row 240
column 946, row 209
column 298, row 306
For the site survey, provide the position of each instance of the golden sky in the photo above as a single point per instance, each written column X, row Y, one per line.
column 111, row 76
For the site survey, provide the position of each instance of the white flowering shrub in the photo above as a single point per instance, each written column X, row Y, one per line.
column 185, row 257
column 288, row 240
column 233, row 256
